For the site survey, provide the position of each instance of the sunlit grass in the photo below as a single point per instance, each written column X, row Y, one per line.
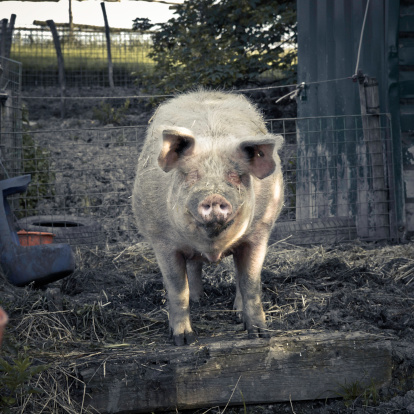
column 91, row 56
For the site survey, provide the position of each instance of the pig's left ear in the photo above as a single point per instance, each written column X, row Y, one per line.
column 177, row 143
column 259, row 154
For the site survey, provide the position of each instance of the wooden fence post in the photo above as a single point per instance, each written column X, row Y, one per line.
column 7, row 36
column 61, row 65
column 108, row 47
column 3, row 37
column 373, row 204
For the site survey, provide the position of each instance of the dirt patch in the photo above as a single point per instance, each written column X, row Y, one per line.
column 118, row 299
column 115, row 298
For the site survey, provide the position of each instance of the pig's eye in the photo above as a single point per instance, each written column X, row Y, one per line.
column 253, row 151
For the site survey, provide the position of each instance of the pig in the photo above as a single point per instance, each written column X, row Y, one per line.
column 209, row 184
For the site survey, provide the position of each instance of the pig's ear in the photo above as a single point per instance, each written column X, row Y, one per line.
column 259, row 154
column 177, row 143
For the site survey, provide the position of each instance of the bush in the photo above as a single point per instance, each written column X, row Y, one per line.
column 225, row 43
column 106, row 114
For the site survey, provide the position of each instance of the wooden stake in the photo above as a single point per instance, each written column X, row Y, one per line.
column 108, row 47
column 61, row 65
column 3, row 37
column 7, row 36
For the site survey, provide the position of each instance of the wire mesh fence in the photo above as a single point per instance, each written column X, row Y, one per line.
column 10, row 116
column 84, row 54
column 338, row 179
column 82, row 182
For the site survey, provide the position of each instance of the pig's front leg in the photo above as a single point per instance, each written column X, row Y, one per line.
column 173, row 268
column 194, row 272
column 248, row 259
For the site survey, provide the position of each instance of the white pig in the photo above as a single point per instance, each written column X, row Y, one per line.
column 209, row 184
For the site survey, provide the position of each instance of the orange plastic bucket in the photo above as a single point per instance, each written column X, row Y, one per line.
column 34, row 238
column 3, row 322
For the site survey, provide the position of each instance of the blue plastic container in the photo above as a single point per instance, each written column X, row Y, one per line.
column 23, row 265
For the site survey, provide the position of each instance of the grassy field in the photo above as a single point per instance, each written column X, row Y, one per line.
column 93, row 57
column 85, row 56
column 83, row 52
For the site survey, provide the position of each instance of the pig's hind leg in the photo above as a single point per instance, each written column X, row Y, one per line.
column 248, row 260
column 238, row 302
column 173, row 268
column 194, row 272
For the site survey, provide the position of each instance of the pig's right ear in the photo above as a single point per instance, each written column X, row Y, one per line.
column 176, row 145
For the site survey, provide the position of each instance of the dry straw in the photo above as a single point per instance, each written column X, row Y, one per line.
column 116, row 300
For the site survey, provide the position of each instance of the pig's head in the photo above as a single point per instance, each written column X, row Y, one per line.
column 211, row 199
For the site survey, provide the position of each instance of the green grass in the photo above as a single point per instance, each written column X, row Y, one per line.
column 42, row 56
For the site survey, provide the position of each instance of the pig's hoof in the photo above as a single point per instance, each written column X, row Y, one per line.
column 238, row 316
column 184, row 338
column 256, row 332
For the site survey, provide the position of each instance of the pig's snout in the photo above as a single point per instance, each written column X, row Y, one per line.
column 215, row 209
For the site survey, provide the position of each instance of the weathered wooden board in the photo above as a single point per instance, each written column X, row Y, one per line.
column 301, row 367
column 373, row 215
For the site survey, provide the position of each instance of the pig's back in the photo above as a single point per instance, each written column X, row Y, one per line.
column 211, row 115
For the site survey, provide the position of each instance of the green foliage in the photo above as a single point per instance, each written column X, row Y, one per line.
column 223, row 43
column 141, row 24
column 371, row 395
column 106, row 114
column 36, row 162
column 15, row 380
column 37, row 54
column 354, row 390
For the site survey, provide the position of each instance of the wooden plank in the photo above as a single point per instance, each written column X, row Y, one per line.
column 297, row 367
column 373, row 215
column 90, row 27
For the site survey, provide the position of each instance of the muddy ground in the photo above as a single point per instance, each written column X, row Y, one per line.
column 116, row 296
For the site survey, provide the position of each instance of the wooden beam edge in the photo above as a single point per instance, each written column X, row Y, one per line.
column 296, row 368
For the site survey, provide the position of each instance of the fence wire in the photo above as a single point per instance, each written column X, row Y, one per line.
column 84, row 54
column 82, row 181
column 10, row 116
column 338, row 179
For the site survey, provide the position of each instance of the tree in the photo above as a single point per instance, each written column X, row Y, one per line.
column 224, row 43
